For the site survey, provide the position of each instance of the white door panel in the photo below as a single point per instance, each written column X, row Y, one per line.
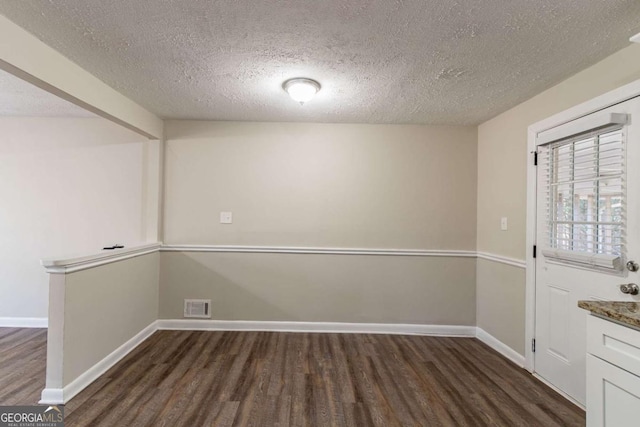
column 560, row 330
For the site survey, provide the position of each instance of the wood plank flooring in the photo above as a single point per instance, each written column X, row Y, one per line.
column 23, row 354
column 181, row 378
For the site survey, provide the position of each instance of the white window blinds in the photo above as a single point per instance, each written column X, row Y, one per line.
column 585, row 197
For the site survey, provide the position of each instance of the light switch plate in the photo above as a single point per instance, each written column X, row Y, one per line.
column 503, row 223
column 226, row 217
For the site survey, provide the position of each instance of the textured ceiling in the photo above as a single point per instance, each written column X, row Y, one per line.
column 19, row 98
column 379, row 61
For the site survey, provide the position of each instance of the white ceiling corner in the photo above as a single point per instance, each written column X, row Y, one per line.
column 379, row 61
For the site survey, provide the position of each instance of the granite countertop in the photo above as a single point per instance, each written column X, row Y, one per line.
column 626, row 312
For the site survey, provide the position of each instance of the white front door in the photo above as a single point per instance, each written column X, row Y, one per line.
column 587, row 228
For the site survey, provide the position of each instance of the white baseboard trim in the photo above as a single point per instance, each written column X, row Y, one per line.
column 319, row 327
column 500, row 347
column 53, row 396
column 24, row 322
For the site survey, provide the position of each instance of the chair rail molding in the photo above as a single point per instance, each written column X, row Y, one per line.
column 71, row 265
column 318, row 250
column 345, row 251
column 514, row 262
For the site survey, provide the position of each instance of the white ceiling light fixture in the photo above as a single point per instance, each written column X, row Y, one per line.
column 301, row 89
column 635, row 39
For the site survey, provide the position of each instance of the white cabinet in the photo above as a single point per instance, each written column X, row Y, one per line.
column 613, row 374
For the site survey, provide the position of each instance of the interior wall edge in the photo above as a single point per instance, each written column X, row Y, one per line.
column 500, row 347
column 30, row 59
column 500, row 302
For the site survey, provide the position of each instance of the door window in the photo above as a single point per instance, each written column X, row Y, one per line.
column 585, row 198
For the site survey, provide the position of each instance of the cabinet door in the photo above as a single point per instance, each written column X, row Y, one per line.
column 613, row 395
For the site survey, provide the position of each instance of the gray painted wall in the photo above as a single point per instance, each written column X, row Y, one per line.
column 321, row 185
column 106, row 306
column 321, row 288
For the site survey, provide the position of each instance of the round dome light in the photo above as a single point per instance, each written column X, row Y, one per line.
column 301, row 89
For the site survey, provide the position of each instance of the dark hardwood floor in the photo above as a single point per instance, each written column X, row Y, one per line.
column 23, row 354
column 179, row 378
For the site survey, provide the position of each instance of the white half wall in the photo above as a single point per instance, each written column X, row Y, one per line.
column 97, row 315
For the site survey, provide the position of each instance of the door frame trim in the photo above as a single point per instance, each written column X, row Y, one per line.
column 609, row 99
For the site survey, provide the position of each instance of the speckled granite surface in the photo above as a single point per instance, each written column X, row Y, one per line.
column 623, row 312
